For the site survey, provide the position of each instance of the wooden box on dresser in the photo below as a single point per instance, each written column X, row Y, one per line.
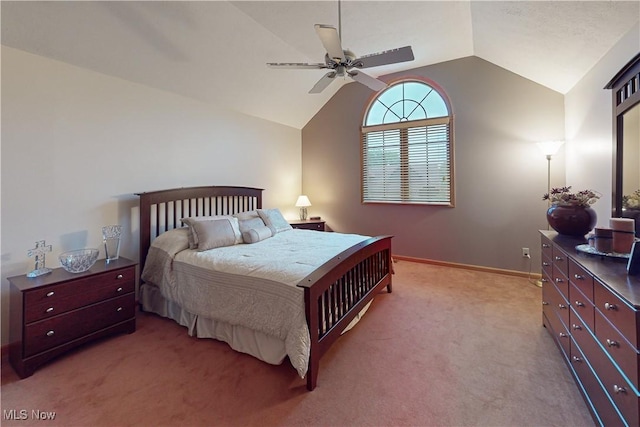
column 591, row 308
column 56, row 312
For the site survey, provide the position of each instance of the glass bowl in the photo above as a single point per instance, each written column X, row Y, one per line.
column 79, row 260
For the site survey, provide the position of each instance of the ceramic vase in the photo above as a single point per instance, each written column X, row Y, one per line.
column 571, row 220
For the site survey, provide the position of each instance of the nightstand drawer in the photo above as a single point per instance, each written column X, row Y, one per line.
column 94, row 292
column 45, row 334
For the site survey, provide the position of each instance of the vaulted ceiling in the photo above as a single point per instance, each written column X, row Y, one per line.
column 216, row 51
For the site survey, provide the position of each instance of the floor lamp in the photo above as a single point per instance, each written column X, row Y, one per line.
column 549, row 148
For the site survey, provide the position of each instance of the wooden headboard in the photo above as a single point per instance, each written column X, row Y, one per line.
column 162, row 210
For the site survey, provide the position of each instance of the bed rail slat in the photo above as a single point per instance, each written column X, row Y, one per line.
column 357, row 273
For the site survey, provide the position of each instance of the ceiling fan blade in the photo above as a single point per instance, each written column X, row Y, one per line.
column 367, row 80
column 296, row 65
column 323, row 82
column 331, row 41
column 392, row 56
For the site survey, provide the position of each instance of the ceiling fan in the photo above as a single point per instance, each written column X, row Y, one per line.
column 343, row 62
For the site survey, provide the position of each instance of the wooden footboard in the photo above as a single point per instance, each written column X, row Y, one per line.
column 335, row 293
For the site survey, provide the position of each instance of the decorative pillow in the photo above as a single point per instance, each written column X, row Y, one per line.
column 249, row 220
column 193, row 238
column 255, row 235
column 214, row 233
column 274, row 220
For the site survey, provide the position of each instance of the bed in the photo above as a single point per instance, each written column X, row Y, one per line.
column 317, row 300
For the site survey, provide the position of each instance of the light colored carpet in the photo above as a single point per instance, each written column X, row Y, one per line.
column 449, row 347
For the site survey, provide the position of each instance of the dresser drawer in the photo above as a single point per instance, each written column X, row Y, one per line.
column 597, row 395
column 90, row 293
column 545, row 248
column 618, row 348
column 622, row 316
column 52, row 293
column 581, row 279
column 554, row 303
column 582, row 306
column 547, row 266
column 559, row 333
column 622, row 394
column 560, row 260
column 48, row 333
column 561, row 281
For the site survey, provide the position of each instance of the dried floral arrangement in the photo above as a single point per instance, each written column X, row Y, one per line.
column 563, row 196
column 632, row 201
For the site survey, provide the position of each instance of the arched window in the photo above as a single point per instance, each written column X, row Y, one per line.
column 407, row 146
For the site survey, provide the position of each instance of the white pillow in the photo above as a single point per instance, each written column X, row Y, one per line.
column 214, row 233
column 249, row 220
column 274, row 220
column 255, row 235
column 193, row 238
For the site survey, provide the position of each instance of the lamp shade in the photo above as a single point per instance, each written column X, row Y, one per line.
column 303, row 201
column 549, row 148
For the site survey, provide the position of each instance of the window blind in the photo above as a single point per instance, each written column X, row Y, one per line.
column 407, row 162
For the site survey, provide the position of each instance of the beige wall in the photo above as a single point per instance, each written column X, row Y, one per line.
column 589, row 125
column 77, row 145
column 500, row 175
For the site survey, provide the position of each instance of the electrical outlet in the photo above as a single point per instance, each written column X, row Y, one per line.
column 525, row 253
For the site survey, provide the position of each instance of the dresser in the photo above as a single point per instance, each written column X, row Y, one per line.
column 308, row 224
column 591, row 309
column 56, row 312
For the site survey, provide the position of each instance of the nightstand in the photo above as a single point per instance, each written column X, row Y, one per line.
column 308, row 224
column 54, row 313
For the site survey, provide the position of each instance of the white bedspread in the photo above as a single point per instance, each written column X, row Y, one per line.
column 252, row 285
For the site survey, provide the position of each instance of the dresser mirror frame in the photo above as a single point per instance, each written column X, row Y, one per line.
column 625, row 87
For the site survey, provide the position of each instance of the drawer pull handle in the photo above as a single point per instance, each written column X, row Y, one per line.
column 50, row 294
column 612, row 343
column 558, row 280
column 119, row 309
column 617, row 389
column 579, row 304
column 546, row 246
column 558, row 258
column 578, row 277
column 545, row 264
column 608, row 306
column 563, row 335
column 576, row 359
column 119, row 276
column 576, row 327
column 49, row 310
column 543, row 280
column 119, row 290
column 50, row 333
column 561, row 306
column 545, row 303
